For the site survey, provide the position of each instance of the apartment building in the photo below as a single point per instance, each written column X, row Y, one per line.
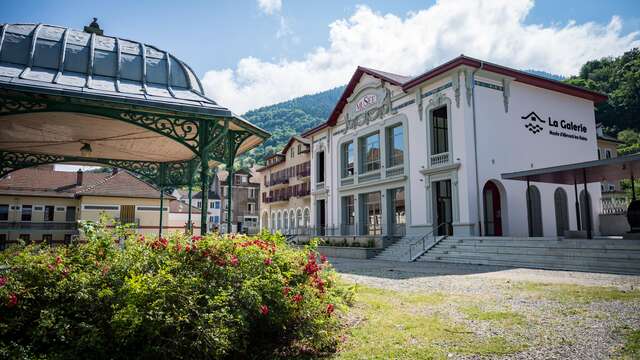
column 285, row 201
column 245, row 201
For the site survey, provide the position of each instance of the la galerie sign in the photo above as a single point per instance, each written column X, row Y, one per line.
column 561, row 128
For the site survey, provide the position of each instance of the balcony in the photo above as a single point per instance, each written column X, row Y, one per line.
column 439, row 159
column 44, row 225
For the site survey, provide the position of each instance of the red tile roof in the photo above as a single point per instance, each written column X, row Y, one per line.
column 48, row 182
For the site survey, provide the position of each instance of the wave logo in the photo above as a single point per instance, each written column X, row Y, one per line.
column 535, row 122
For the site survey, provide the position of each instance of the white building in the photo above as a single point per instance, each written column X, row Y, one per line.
column 405, row 154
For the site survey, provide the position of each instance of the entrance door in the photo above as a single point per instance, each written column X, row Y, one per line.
column 321, row 216
column 444, row 207
column 127, row 214
column 492, row 210
column 534, row 212
column 373, row 214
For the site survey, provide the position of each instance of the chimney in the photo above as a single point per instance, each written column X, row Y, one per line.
column 79, row 177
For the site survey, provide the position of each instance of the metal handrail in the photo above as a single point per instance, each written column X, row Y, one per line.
column 423, row 241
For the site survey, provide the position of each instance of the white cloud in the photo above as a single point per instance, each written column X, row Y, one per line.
column 409, row 45
column 270, row 7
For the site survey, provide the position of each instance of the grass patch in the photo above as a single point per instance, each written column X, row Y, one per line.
column 569, row 293
column 505, row 317
column 631, row 347
column 397, row 325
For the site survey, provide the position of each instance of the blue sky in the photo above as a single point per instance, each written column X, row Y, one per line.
column 256, row 52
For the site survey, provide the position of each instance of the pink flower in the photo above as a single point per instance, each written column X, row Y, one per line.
column 178, row 247
column 297, row 298
column 187, row 248
column 324, row 259
column 13, row 300
column 264, row 310
column 58, row 260
column 196, row 238
column 285, row 290
column 234, row 260
column 3, row 281
column 268, row 261
column 330, row 309
column 51, row 267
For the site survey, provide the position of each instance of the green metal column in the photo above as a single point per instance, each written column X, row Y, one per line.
column 230, row 158
column 161, row 210
column 229, row 191
column 189, row 222
column 204, row 176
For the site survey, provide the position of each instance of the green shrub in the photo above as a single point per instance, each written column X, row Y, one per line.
column 179, row 297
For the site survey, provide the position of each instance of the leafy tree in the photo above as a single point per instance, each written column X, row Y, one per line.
column 619, row 78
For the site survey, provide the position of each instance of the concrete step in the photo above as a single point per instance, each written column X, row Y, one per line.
column 539, row 259
column 569, row 267
column 595, row 253
column 563, row 243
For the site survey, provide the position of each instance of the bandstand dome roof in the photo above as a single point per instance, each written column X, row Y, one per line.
column 74, row 60
column 86, row 80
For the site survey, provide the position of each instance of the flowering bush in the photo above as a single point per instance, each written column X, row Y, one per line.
column 174, row 297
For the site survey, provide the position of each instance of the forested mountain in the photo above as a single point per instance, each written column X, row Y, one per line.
column 618, row 77
column 291, row 117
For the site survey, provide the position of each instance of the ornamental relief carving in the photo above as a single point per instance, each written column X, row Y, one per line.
column 370, row 106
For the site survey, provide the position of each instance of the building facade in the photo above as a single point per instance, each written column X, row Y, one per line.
column 214, row 207
column 285, row 200
column 41, row 204
column 245, row 201
column 614, row 198
column 411, row 155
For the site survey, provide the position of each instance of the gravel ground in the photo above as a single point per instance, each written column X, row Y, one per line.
column 554, row 329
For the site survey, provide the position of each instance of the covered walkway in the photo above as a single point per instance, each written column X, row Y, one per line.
column 580, row 174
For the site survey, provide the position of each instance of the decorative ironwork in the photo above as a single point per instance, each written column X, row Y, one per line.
column 11, row 161
column 9, row 106
column 173, row 127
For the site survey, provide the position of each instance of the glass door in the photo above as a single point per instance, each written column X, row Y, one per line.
column 444, row 207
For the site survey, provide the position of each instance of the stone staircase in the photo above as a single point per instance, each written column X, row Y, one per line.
column 398, row 251
column 621, row 256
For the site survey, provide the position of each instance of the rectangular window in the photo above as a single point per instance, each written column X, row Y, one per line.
column 47, row 238
column 347, row 159
column 67, row 238
column 348, row 215
column 216, row 219
column 4, row 212
column 70, row 214
column 370, row 153
column 439, row 131
column 26, row 213
column 395, row 141
column 48, row 212
column 212, row 205
column 216, row 204
column 252, row 193
column 320, row 167
column 251, row 207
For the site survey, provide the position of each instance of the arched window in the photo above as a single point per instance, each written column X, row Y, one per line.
column 292, row 220
column 306, row 217
column 534, row 211
column 279, row 221
column 585, row 210
column 299, row 218
column 273, row 221
column 562, row 211
column 286, row 220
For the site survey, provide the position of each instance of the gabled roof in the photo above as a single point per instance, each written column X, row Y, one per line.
column 407, row 83
column 179, row 207
column 51, row 183
column 294, row 139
